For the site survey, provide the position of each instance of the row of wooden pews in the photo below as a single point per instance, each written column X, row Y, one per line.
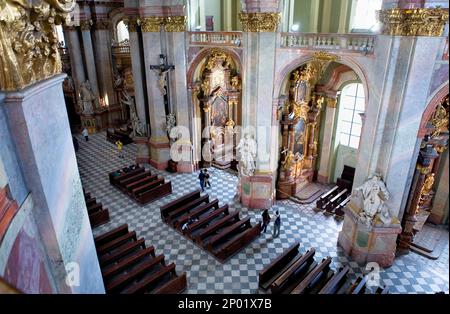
column 97, row 214
column 128, row 266
column 140, row 184
column 296, row 273
column 114, row 135
column 209, row 225
column 334, row 201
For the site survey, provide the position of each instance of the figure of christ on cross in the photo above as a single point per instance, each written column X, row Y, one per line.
column 161, row 70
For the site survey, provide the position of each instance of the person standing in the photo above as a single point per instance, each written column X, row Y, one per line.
column 85, row 133
column 265, row 219
column 120, row 148
column 277, row 225
column 201, row 177
column 207, row 183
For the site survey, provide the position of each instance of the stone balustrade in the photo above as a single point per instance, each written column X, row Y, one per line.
column 360, row 43
column 230, row 39
column 120, row 49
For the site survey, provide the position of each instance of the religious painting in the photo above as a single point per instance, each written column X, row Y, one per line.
column 219, row 112
column 209, row 23
column 299, row 143
column 302, row 91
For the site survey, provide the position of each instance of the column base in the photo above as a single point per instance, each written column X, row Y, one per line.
column 159, row 152
column 376, row 243
column 143, row 150
column 186, row 167
column 257, row 192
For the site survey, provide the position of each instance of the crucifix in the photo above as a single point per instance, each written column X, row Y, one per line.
column 162, row 70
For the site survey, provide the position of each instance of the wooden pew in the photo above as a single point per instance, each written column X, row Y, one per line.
column 149, row 282
column 174, row 286
column 155, row 193
column 111, row 235
column 95, row 208
column 336, row 282
column 207, row 219
column 99, row 218
column 114, row 180
column 121, row 252
column 131, row 236
column 321, row 270
column 171, row 218
column 147, row 187
column 126, row 263
column 166, row 209
column 359, row 286
column 235, row 245
column 272, row 271
column 225, row 221
column 195, row 214
column 130, row 179
column 381, row 290
column 325, row 198
column 339, row 211
column 333, row 203
column 147, row 179
column 224, row 234
column 120, row 282
column 284, row 283
column 90, row 201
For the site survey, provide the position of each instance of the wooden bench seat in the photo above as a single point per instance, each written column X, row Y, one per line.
column 237, row 243
column 136, row 178
column 111, row 235
column 225, row 221
column 224, row 234
column 99, row 218
column 339, row 211
column 196, row 213
column 131, row 236
column 155, row 193
column 143, row 181
column 114, row 180
column 359, row 286
column 149, row 282
column 173, row 205
column 147, row 187
column 121, row 252
column 95, row 207
column 171, row 218
column 173, row 286
column 201, row 223
column 121, row 281
column 127, row 262
column 333, row 203
column 292, row 274
column 272, row 271
column 325, row 198
column 90, row 201
column 323, row 269
column 336, row 282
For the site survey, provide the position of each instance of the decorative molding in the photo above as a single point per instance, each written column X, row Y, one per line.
column 102, row 24
column 260, row 22
column 132, row 23
column 28, row 41
column 413, row 22
column 170, row 23
column 85, row 25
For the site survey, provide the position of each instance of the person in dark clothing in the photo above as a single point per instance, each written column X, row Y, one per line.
column 265, row 220
column 201, row 177
column 76, row 145
column 207, row 183
column 277, row 225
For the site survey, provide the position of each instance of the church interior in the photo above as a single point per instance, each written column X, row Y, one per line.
column 224, row 147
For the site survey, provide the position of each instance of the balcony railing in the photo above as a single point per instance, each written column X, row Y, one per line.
column 359, row 43
column 230, row 39
column 121, row 49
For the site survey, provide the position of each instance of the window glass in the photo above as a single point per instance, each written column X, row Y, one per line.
column 352, row 103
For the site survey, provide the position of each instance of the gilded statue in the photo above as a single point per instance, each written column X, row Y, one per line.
column 288, row 160
column 298, row 159
column 235, row 82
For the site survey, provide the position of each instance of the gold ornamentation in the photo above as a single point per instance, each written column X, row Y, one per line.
column 440, row 120
column 300, row 110
column 217, row 56
column 170, row 23
column 236, row 82
column 152, row 23
column 422, row 169
column 260, row 22
column 28, row 41
column 413, row 22
column 331, row 102
column 102, row 24
column 131, row 23
column 85, row 25
column 175, row 24
column 288, row 161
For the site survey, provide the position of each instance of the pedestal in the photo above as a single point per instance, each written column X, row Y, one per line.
column 143, row 150
column 257, row 192
column 159, row 152
column 376, row 243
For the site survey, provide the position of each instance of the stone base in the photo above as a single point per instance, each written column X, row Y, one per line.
column 143, row 150
column 159, row 152
column 376, row 243
column 289, row 189
column 257, row 192
column 186, row 167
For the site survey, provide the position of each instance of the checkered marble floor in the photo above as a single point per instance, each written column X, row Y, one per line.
column 410, row 273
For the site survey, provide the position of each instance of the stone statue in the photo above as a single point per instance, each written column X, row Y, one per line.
column 371, row 197
column 171, row 122
column 138, row 127
column 247, row 155
column 117, row 80
column 87, row 98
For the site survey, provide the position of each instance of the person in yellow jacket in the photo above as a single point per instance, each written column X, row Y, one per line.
column 120, row 148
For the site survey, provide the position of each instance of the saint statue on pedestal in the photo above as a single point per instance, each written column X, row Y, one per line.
column 87, row 98
column 247, row 155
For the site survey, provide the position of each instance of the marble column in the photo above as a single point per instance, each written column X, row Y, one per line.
column 343, row 16
column 324, row 176
column 159, row 142
column 76, row 58
column 259, row 54
column 89, row 57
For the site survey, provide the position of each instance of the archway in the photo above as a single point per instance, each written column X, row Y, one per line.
column 216, row 88
column 326, row 100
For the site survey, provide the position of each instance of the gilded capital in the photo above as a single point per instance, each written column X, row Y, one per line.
column 28, row 41
column 152, row 24
column 131, row 23
column 413, row 22
column 85, row 25
column 260, row 22
column 331, row 102
column 102, row 24
column 175, row 23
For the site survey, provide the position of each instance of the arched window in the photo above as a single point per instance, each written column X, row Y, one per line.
column 350, row 107
column 122, row 32
column 364, row 15
column 60, row 35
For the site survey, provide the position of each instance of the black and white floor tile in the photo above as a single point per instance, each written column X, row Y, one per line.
column 410, row 273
